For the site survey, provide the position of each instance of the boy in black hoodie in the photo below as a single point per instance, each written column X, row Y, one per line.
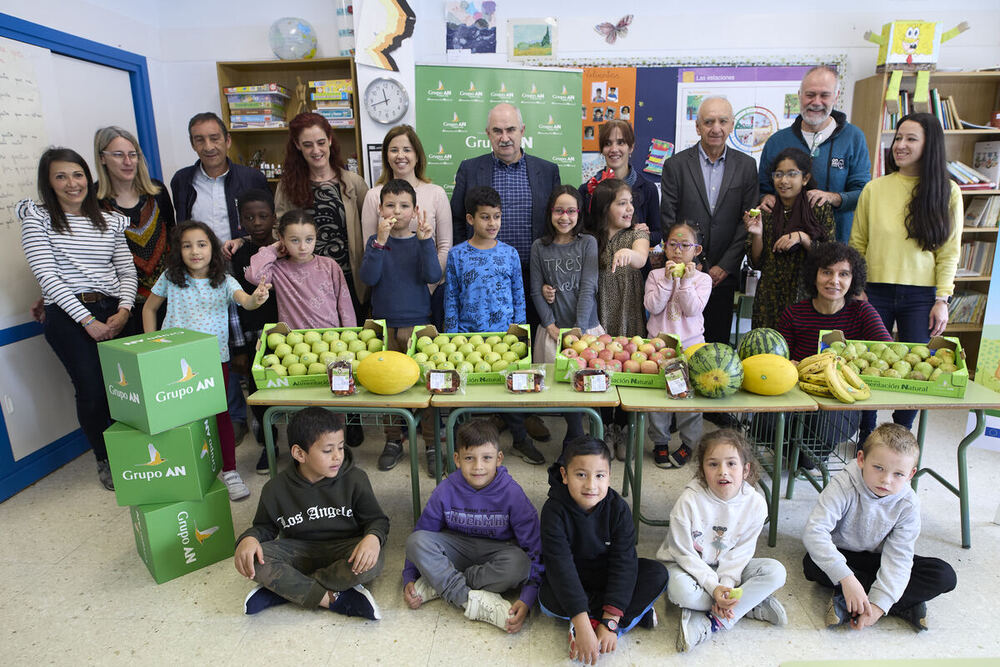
column 332, row 528
column 592, row 575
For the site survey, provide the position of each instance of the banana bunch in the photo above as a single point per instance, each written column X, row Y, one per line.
column 825, row 374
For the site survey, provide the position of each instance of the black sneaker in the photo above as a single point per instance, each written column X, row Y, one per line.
column 916, row 616
column 104, row 474
column 431, row 454
column 722, row 419
column 536, row 428
column 356, row 601
column 262, row 466
column 261, row 598
column 681, row 456
column 391, row 453
column 836, row 613
column 661, row 456
column 526, row 448
column 354, row 435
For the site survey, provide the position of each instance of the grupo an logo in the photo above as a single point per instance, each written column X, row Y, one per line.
column 184, row 534
column 441, row 157
column 114, row 390
column 564, row 97
column 565, row 159
column 155, row 461
column 501, row 95
column 549, row 127
column 454, row 125
column 532, row 96
column 439, row 94
column 122, row 382
column 187, row 374
column 470, row 94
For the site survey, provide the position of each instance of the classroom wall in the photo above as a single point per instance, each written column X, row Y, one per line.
column 183, row 39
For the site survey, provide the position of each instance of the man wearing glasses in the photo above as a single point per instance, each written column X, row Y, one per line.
column 841, row 165
column 710, row 186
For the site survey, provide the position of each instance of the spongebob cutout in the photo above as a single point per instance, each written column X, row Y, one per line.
column 910, row 46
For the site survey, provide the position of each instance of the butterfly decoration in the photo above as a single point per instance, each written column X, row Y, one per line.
column 612, row 32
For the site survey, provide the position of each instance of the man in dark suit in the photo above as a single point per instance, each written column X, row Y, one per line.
column 711, row 187
column 525, row 183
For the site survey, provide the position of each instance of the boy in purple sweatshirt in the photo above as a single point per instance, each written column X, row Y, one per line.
column 478, row 537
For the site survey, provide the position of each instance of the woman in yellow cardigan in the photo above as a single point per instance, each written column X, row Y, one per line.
column 908, row 228
column 314, row 178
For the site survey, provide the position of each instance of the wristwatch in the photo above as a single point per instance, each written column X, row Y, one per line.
column 946, row 299
column 610, row 623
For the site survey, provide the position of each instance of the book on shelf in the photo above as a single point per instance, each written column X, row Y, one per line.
column 983, row 211
column 328, row 85
column 976, row 259
column 259, row 88
column 969, row 178
column 967, row 307
column 986, row 159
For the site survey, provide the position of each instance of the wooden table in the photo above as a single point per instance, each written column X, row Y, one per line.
column 289, row 400
column 977, row 399
column 558, row 397
column 639, row 401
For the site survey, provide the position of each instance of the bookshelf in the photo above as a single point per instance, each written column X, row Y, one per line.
column 976, row 95
column 272, row 141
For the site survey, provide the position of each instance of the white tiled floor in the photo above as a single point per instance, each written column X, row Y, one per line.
column 75, row 590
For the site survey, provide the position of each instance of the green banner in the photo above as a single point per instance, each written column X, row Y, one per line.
column 452, row 104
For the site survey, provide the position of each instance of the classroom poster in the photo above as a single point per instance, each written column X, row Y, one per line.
column 608, row 94
column 764, row 99
column 452, row 104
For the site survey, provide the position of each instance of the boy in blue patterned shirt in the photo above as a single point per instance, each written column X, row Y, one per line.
column 484, row 291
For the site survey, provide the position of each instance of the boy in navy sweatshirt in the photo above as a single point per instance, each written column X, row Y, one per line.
column 477, row 537
column 331, row 526
column 593, row 577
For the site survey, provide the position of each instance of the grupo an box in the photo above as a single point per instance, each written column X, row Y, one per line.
column 521, row 335
column 269, row 372
column 566, row 366
column 164, row 379
column 178, row 464
column 174, row 539
column 947, row 384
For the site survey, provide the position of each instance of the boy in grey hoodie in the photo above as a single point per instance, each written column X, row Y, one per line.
column 860, row 537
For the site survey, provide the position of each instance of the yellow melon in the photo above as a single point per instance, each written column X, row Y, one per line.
column 387, row 372
column 692, row 349
column 768, row 374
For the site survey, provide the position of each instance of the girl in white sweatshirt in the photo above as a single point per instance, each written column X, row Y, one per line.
column 714, row 526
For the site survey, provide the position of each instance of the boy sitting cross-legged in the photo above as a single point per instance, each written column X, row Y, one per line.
column 477, row 537
column 861, row 535
column 331, row 526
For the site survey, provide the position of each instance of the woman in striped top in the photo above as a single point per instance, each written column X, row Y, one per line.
column 82, row 263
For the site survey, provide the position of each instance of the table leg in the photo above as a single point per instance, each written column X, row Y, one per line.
column 772, row 510
column 411, row 427
column 963, row 476
column 269, row 417
column 436, row 416
column 921, row 431
column 639, row 422
column 449, row 434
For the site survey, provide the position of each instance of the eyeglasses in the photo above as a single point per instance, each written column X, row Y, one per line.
column 568, row 211
column 674, row 245
column 121, row 155
column 778, row 175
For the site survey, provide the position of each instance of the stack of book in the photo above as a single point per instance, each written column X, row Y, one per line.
column 969, row 178
column 331, row 99
column 256, row 106
column 976, row 259
column 967, row 307
column 983, row 212
column 942, row 106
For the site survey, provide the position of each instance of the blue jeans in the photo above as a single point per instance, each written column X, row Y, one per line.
column 78, row 353
column 908, row 307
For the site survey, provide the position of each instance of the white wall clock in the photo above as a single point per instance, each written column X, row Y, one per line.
column 386, row 100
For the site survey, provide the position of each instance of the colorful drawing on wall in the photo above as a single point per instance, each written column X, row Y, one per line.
column 659, row 151
column 613, row 31
column 609, row 94
column 531, row 38
column 382, row 27
column 791, row 105
column 470, row 28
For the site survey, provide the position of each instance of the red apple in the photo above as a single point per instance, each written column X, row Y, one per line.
column 569, row 339
column 588, row 338
column 647, row 348
column 606, row 354
column 598, row 363
column 637, row 341
column 631, row 366
column 630, row 347
column 570, row 352
column 588, row 354
column 621, row 340
column 658, row 343
column 649, row 367
column 615, row 347
column 639, row 356
column 605, row 338
column 669, row 352
column 597, row 345
column 622, row 356
column 581, row 363
column 656, row 356
column 615, row 365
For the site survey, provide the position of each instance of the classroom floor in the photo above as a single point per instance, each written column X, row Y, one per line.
column 75, row 591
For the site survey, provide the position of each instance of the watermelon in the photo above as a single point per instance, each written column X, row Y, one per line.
column 763, row 341
column 716, row 370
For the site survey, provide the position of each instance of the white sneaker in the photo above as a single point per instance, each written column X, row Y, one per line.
column 423, row 589
column 488, row 607
column 770, row 610
column 234, row 483
column 695, row 627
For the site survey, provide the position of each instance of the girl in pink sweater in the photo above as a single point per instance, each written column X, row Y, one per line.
column 311, row 290
column 675, row 298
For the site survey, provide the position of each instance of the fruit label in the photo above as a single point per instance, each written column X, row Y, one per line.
column 340, row 382
column 595, row 382
column 522, row 382
column 439, row 381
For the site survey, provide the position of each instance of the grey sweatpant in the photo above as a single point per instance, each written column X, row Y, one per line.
column 760, row 578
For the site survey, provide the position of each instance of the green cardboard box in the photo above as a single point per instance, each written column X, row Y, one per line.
column 178, row 464
column 521, row 331
column 947, row 384
column 269, row 379
column 565, row 369
column 174, row 539
column 163, row 379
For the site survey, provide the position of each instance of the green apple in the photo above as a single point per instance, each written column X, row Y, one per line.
column 465, row 367
column 423, row 342
column 499, row 366
column 362, row 355
column 484, row 349
column 439, row 358
column 282, row 350
column 420, row 357
column 319, row 347
column 431, row 348
column 459, row 340
column 316, row 369
column 330, row 336
column 446, row 366
column 278, row 369
column 356, row 346
column 474, row 357
column 338, row 346
column 449, row 348
column 509, row 356
column 491, row 357
column 519, row 348
column 301, row 348
column 456, row 357
column 366, row 334
column 309, row 358
column 346, row 355
column 425, row 366
column 327, row 357
column 500, row 348
column 294, row 338
column 466, row 348
column 274, row 340
column 312, row 337
column 354, row 365
column 476, row 339
column 510, row 339
column 269, row 360
column 441, row 339
column 297, row 369
column 493, row 340
column 482, row 367
column 289, row 359
column 375, row 345
column 348, row 336
column 902, row 367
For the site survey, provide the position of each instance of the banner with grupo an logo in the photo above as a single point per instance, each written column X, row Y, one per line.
column 452, row 104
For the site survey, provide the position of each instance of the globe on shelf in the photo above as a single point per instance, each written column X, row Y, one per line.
column 292, row 38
